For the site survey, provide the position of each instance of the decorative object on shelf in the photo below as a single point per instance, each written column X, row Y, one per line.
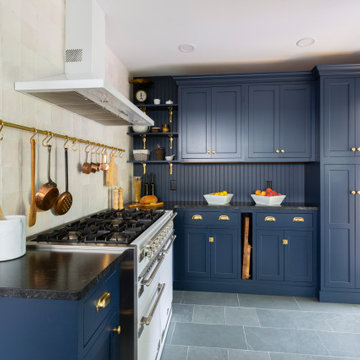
column 155, row 129
column 157, row 101
column 141, row 155
column 140, row 128
column 159, row 153
column 165, row 128
column 141, row 96
column 169, row 157
column 169, row 102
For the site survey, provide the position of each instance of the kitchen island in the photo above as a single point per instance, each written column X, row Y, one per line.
column 60, row 305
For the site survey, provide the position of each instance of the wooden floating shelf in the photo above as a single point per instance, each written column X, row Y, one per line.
column 153, row 133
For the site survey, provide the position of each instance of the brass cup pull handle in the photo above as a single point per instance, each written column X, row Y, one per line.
column 103, row 301
column 213, row 151
column 277, row 151
column 353, row 149
column 270, row 218
column 353, row 192
column 298, row 219
column 358, row 149
column 224, row 217
column 197, row 217
column 285, row 242
column 211, row 239
column 117, row 330
column 208, row 151
column 358, row 192
column 282, row 150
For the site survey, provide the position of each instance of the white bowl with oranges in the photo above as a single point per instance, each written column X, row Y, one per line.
column 268, row 197
column 218, row 198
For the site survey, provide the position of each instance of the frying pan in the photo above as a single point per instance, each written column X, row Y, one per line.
column 46, row 196
column 64, row 201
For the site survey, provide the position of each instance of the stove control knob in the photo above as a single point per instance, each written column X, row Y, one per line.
column 149, row 254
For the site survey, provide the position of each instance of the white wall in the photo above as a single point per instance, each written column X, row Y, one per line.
column 32, row 47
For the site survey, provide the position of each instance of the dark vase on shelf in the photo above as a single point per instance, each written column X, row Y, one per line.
column 159, row 153
column 152, row 184
column 146, row 186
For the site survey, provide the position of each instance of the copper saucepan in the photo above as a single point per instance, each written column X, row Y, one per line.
column 47, row 195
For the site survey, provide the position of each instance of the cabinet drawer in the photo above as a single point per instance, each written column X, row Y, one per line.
column 100, row 304
column 218, row 218
column 275, row 219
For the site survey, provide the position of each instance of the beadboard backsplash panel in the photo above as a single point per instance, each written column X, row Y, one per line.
column 194, row 180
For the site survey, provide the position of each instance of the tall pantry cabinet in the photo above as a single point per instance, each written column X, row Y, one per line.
column 340, row 182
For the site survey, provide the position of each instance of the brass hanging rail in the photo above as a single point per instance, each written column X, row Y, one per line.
column 75, row 140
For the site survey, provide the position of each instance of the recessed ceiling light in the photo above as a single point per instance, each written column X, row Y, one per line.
column 305, row 42
column 186, row 48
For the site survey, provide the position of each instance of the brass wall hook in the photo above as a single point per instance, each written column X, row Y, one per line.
column 35, row 133
column 74, row 142
column 45, row 141
column 87, row 147
column 65, row 143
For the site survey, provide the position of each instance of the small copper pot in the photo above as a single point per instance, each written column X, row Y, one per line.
column 86, row 166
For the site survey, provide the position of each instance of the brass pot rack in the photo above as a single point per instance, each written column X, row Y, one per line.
column 74, row 140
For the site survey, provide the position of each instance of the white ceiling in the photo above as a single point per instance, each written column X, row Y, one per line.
column 231, row 35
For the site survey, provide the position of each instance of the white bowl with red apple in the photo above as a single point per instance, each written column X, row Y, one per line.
column 268, row 197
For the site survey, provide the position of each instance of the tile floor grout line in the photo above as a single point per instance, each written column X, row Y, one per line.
column 187, row 353
column 172, row 333
column 248, row 347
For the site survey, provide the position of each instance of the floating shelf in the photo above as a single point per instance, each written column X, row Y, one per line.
column 157, row 107
column 153, row 133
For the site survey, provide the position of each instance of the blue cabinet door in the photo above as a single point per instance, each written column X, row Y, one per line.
column 299, row 256
column 197, row 252
column 339, row 117
column 295, row 125
column 226, row 122
column 339, row 226
column 195, row 115
column 224, row 253
column 270, row 255
column 263, row 121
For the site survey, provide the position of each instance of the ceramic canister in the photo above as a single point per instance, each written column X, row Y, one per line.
column 12, row 237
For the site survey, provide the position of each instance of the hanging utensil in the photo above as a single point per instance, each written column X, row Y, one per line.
column 64, row 201
column 32, row 210
column 47, row 195
column 2, row 217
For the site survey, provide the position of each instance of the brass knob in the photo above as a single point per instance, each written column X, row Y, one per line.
column 117, row 330
column 277, row 150
column 282, row 150
column 358, row 192
column 213, row 151
column 353, row 192
column 285, row 242
column 211, row 239
column 358, row 149
column 208, row 151
column 353, row 149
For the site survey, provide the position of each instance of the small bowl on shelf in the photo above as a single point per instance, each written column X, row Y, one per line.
column 155, row 129
column 218, row 199
column 170, row 157
column 140, row 128
column 268, row 200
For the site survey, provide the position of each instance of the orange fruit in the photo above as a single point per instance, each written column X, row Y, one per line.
column 258, row 192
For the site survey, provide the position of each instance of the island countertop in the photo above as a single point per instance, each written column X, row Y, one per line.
column 55, row 275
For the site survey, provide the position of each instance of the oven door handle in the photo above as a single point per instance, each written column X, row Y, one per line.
column 170, row 245
column 148, row 281
column 146, row 320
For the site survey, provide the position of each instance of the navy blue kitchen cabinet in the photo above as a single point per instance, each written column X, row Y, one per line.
column 210, row 122
column 63, row 329
column 281, row 122
column 270, row 255
column 339, row 123
column 284, row 261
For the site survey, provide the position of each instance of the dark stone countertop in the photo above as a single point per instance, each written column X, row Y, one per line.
column 237, row 205
column 54, row 275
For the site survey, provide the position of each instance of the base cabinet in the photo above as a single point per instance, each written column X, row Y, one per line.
column 208, row 255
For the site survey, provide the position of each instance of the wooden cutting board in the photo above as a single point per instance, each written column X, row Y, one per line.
column 146, row 206
column 112, row 174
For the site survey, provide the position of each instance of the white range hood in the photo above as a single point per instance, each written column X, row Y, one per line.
column 83, row 89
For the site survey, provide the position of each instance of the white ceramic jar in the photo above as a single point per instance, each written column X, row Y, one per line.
column 12, row 237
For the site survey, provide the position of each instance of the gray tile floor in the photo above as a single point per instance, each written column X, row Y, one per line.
column 222, row 326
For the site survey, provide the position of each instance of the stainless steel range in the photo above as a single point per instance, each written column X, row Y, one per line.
column 146, row 275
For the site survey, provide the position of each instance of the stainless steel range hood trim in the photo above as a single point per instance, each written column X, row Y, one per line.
column 98, row 100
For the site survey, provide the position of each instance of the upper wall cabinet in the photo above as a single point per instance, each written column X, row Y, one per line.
column 210, row 122
column 340, row 129
column 280, row 122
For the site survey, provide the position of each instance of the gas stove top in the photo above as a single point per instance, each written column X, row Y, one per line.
column 107, row 227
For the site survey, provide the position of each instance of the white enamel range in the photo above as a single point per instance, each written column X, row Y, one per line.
column 150, row 236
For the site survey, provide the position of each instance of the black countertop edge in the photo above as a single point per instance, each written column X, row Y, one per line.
column 238, row 205
column 53, row 294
